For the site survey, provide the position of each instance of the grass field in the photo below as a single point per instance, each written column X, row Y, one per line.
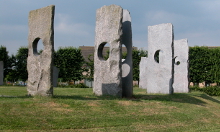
column 77, row 109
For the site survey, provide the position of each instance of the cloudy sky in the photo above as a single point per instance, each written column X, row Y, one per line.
column 196, row 20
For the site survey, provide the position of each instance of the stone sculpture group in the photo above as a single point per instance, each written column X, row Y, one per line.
column 166, row 68
column 112, row 76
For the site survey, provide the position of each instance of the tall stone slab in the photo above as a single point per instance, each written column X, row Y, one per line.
column 181, row 66
column 160, row 59
column 107, row 73
column 143, row 73
column 40, row 66
column 127, row 66
column 1, row 72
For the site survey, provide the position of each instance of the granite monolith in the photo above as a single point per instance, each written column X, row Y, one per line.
column 40, row 65
column 160, row 59
column 127, row 66
column 181, row 66
column 108, row 73
column 143, row 73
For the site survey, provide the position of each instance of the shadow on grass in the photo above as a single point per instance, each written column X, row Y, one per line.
column 177, row 97
column 207, row 97
column 88, row 97
column 9, row 96
column 180, row 97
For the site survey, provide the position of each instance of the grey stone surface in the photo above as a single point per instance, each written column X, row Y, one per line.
column 143, row 73
column 107, row 74
column 181, row 54
column 127, row 74
column 40, row 66
column 55, row 76
column 1, row 72
column 160, row 75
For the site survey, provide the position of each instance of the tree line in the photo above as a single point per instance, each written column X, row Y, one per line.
column 204, row 64
column 69, row 60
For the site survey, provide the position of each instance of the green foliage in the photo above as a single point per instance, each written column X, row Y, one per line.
column 136, row 55
column 12, row 73
column 18, row 65
column 204, row 64
column 211, row 90
column 195, row 88
column 70, row 62
column 4, row 57
column 80, row 85
column 21, row 63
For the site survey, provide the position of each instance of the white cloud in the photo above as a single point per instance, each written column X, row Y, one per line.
column 13, row 37
column 158, row 17
column 15, row 28
column 209, row 6
column 13, row 45
column 65, row 25
column 200, row 38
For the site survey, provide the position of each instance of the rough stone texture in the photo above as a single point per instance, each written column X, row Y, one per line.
column 40, row 66
column 160, row 75
column 127, row 74
column 107, row 74
column 143, row 73
column 1, row 72
column 55, row 75
column 181, row 54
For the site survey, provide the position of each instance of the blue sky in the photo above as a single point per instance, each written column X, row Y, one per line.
column 196, row 20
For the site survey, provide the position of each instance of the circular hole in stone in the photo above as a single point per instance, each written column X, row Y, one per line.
column 124, row 52
column 178, row 62
column 156, row 56
column 103, row 51
column 38, row 46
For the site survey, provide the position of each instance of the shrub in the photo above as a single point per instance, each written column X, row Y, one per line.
column 211, row 90
column 80, row 85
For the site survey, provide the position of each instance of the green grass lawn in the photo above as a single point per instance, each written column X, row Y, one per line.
column 77, row 109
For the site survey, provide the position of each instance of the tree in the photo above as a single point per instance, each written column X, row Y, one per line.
column 21, row 63
column 18, row 65
column 197, row 61
column 4, row 57
column 70, row 62
column 12, row 73
column 204, row 65
column 136, row 55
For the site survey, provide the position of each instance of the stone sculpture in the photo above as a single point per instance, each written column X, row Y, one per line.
column 160, row 59
column 181, row 55
column 1, row 72
column 143, row 73
column 127, row 66
column 107, row 74
column 113, row 26
column 40, row 66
